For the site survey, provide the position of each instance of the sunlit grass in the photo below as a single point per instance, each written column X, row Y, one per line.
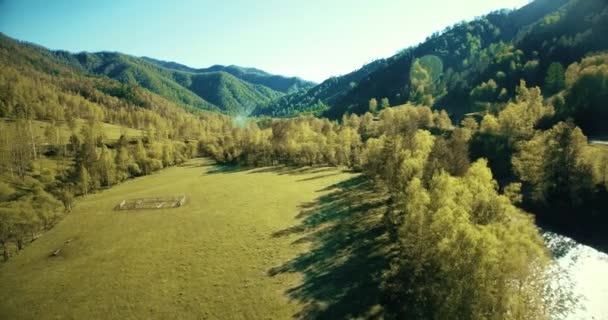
column 207, row 259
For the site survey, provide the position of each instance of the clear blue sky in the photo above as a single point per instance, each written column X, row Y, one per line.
column 312, row 39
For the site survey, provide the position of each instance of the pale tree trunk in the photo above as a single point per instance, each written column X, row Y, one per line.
column 7, row 153
column 35, row 154
column 57, row 164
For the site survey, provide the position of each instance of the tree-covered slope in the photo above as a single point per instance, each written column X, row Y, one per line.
column 251, row 75
column 479, row 62
column 256, row 76
column 227, row 89
column 203, row 89
column 315, row 100
column 235, row 96
column 130, row 70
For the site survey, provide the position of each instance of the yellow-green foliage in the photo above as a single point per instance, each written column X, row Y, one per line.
column 61, row 131
column 466, row 250
column 597, row 156
column 206, row 260
column 519, row 118
column 586, row 94
column 464, row 247
column 557, row 165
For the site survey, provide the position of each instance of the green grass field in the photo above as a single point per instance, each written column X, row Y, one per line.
column 269, row 243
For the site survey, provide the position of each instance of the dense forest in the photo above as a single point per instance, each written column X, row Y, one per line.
column 231, row 89
column 468, row 65
column 473, row 135
column 458, row 232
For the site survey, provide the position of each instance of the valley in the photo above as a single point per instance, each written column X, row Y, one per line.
column 460, row 176
column 191, row 262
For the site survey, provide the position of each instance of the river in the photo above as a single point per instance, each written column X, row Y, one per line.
column 587, row 269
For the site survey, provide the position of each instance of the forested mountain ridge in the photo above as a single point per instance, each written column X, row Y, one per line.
column 67, row 133
column 213, row 90
column 500, row 48
column 316, row 99
column 232, row 89
column 438, row 221
column 251, row 75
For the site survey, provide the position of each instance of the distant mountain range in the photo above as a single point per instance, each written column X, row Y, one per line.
column 468, row 65
column 229, row 89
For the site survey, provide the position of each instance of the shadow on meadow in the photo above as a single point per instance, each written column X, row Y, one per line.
column 279, row 169
column 218, row 168
column 349, row 251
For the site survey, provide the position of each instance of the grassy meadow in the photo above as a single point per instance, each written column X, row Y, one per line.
column 253, row 244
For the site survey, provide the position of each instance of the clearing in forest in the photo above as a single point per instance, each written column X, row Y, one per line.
column 269, row 243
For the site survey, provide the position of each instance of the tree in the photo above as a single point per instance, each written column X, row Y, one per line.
column 373, row 105
column 66, row 197
column 517, row 121
column 384, row 104
column 45, row 206
column 425, row 74
column 84, row 180
column 484, row 95
column 7, row 225
column 20, row 153
column 469, row 123
column 125, row 164
column 441, row 120
column 141, row 157
column 555, row 165
column 465, row 250
column 555, row 81
column 586, row 94
column 106, row 167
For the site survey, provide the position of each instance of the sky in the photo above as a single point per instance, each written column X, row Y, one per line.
column 311, row 39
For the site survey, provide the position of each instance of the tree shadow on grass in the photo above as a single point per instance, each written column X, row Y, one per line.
column 320, row 176
column 283, row 169
column 278, row 169
column 226, row 168
column 349, row 251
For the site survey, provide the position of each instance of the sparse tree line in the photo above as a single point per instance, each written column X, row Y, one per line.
column 42, row 172
column 36, row 190
column 31, row 95
column 463, row 244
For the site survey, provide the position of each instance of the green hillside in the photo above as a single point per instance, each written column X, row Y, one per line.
column 235, row 96
column 204, row 90
column 435, row 184
column 256, row 76
column 133, row 71
column 315, row 99
column 231, row 89
column 500, row 48
column 251, row 75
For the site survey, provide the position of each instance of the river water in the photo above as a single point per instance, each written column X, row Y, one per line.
column 587, row 271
